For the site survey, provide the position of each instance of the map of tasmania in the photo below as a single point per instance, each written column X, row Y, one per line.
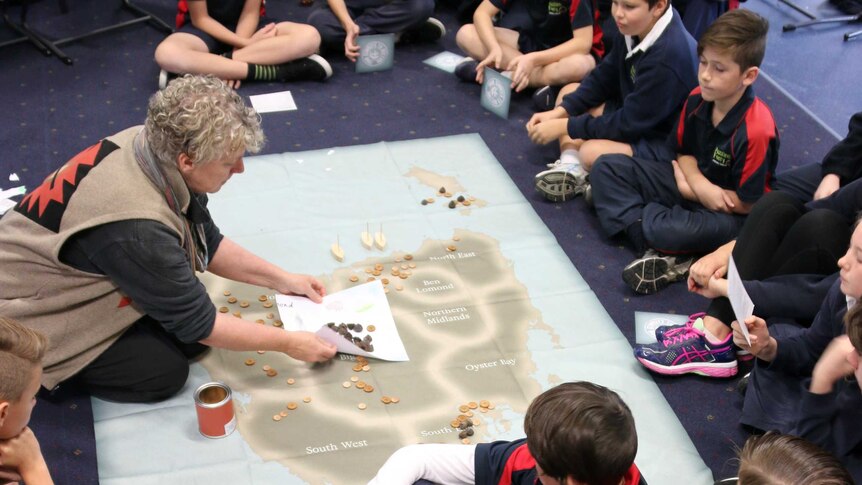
column 463, row 317
column 490, row 310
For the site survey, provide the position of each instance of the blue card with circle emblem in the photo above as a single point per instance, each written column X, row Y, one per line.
column 496, row 93
column 376, row 52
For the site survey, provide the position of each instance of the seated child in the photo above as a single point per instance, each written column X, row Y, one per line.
column 780, row 458
column 21, row 352
column 727, row 146
column 234, row 42
column 827, row 408
column 545, row 43
column 577, row 433
column 340, row 22
column 626, row 105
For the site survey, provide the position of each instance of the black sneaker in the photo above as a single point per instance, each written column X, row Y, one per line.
column 311, row 68
column 654, row 271
column 466, row 70
column 431, row 30
column 545, row 98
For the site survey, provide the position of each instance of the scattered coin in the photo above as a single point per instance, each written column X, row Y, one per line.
column 306, row 399
column 223, row 309
column 451, row 248
column 268, row 304
column 291, row 381
column 371, row 278
column 454, row 423
column 346, row 384
column 399, row 287
column 484, row 403
column 270, row 316
column 412, row 265
column 266, row 368
column 394, row 399
column 466, row 441
column 361, row 406
column 354, row 278
column 408, row 257
column 276, row 417
column 463, row 408
column 292, row 406
column 368, row 388
column 466, row 202
column 354, row 379
column 366, row 368
column 371, row 328
column 385, row 281
column 272, row 373
column 259, row 321
column 447, row 194
column 430, row 200
column 249, row 361
column 357, row 368
column 237, row 314
column 456, row 238
column 472, row 405
column 226, row 292
column 360, row 385
column 491, row 406
column 261, row 352
column 262, row 298
column 283, row 414
column 231, row 299
column 385, row 400
column 277, row 323
column 243, row 304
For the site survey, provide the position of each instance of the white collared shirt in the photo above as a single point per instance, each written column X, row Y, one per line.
column 652, row 36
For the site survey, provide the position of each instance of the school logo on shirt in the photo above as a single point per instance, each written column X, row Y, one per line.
column 556, row 8
column 720, row 157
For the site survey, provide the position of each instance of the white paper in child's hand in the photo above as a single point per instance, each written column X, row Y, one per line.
column 742, row 305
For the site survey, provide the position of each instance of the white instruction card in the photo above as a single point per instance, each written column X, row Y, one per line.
column 742, row 305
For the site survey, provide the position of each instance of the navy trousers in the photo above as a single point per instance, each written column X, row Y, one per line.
column 626, row 189
column 372, row 17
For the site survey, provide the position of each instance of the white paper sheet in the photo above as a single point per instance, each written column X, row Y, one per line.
column 272, row 102
column 6, row 201
column 364, row 304
column 742, row 305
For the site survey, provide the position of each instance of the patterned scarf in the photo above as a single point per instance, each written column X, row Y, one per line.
column 194, row 240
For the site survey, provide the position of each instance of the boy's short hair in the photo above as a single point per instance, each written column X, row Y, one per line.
column 776, row 458
column 652, row 3
column 581, row 430
column 21, row 351
column 741, row 33
column 853, row 324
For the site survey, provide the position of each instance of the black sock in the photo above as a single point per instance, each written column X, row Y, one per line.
column 635, row 233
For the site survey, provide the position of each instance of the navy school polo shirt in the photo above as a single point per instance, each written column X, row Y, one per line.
column 741, row 153
column 510, row 463
column 553, row 21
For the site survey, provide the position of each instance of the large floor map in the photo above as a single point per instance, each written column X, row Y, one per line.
column 490, row 310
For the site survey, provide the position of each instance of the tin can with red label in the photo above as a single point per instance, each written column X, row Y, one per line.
column 214, row 405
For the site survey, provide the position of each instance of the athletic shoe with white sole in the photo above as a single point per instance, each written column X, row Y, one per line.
column 689, row 352
column 654, row 271
column 562, row 181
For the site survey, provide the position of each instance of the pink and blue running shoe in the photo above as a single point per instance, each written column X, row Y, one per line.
column 685, row 350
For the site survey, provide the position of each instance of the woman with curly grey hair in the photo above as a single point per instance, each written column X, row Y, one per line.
column 111, row 242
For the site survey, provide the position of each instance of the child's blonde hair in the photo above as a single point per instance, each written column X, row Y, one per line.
column 21, row 350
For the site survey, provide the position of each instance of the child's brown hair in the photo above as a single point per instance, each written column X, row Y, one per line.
column 21, row 351
column 741, row 33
